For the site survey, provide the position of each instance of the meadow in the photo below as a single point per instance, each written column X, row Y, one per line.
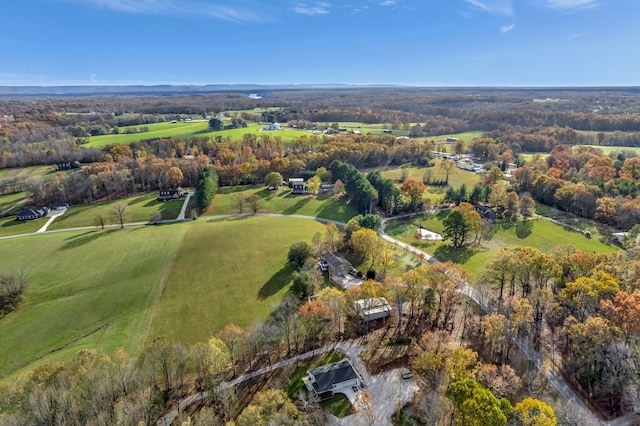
column 123, row 287
column 538, row 233
column 189, row 129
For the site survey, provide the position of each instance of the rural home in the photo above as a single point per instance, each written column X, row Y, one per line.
column 170, row 194
column 67, row 165
column 324, row 381
column 618, row 237
column 30, row 214
column 272, row 126
column 340, row 270
column 298, row 186
column 372, row 309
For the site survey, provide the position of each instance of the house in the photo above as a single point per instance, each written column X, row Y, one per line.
column 324, row 381
column 619, row 237
column 372, row 309
column 30, row 214
column 341, row 272
column 272, row 126
column 298, row 186
column 451, row 140
column 170, row 194
column 67, row 165
column 386, row 131
column 486, row 213
column 254, row 96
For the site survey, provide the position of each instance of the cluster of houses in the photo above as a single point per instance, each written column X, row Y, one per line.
column 171, row 194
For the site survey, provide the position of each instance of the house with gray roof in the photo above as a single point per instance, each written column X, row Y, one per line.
column 325, row 380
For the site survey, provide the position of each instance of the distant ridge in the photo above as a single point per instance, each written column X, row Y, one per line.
column 167, row 88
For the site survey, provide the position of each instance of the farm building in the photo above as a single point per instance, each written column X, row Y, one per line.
column 324, row 381
column 30, row 214
column 170, row 194
column 67, row 165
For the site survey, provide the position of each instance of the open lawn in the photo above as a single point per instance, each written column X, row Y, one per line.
column 11, row 226
column 189, row 129
column 91, row 289
column 123, row 287
column 11, row 202
column 467, row 137
column 141, row 208
column 283, row 201
column 606, row 150
column 457, row 177
column 25, row 172
column 228, row 271
column 537, row 233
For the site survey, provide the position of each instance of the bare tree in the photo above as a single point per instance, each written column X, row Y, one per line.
column 100, row 220
column 120, row 212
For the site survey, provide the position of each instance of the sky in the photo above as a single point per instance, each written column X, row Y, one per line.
column 359, row 42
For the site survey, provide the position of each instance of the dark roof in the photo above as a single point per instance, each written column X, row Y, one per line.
column 335, row 260
column 330, row 374
column 28, row 212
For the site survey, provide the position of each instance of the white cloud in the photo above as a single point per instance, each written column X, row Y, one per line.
column 321, row 8
column 500, row 7
column 387, row 3
column 176, row 7
column 507, row 28
column 574, row 36
column 572, row 4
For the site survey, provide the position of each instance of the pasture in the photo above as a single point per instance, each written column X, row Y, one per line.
column 537, row 233
column 123, row 287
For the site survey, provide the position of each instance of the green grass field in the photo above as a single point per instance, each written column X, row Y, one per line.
column 10, row 226
column 457, row 177
column 229, row 271
column 189, row 129
column 11, row 202
column 282, row 201
column 123, row 287
column 141, row 208
column 540, row 234
column 25, row 172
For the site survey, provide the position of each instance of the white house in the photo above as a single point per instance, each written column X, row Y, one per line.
column 324, row 381
column 272, row 126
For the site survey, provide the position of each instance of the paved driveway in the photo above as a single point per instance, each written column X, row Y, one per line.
column 388, row 391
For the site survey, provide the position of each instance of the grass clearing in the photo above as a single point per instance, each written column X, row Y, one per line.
column 284, row 202
column 141, row 208
column 11, row 226
column 103, row 289
column 190, row 129
column 339, row 405
column 10, row 202
column 228, row 271
column 541, row 234
column 89, row 289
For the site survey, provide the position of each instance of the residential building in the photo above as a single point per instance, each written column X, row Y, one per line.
column 324, row 381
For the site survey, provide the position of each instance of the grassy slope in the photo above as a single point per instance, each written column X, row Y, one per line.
column 10, row 226
column 239, row 275
column 141, row 207
column 541, row 234
column 282, row 201
column 82, row 281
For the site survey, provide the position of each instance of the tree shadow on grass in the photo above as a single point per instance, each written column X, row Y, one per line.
column 276, row 283
column 296, row 206
column 524, row 229
column 447, row 253
column 87, row 237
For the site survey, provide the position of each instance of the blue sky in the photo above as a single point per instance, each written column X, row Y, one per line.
column 411, row 42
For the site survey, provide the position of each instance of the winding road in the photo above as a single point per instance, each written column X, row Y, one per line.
column 566, row 393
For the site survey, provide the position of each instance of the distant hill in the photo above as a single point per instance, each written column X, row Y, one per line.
column 165, row 88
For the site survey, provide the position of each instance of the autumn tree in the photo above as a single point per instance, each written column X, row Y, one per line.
column 476, row 405
column 315, row 314
column 456, row 228
column 527, row 206
column 100, row 219
column 336, row 301
column 623, row 312
column 446, row 166
column 368, row 244
column 271, row 407
column 533, row 412
column 332, row 237
column 313, row 184
column 255, row 202
column 414, row 189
